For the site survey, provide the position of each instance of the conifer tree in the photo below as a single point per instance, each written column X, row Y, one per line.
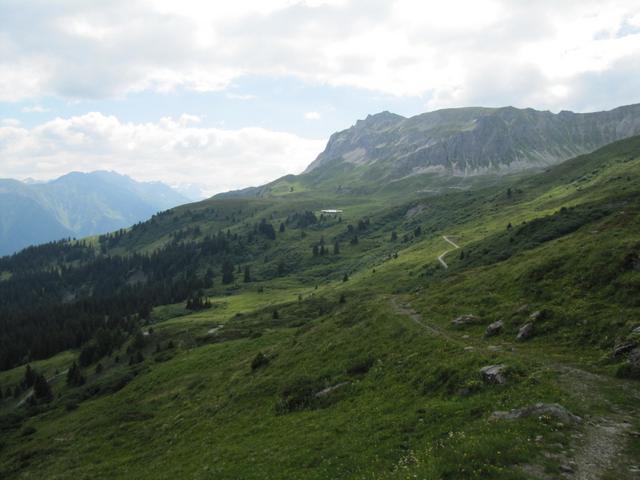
column 29, row 377
column 227, row 272
column 41, row 389
column 74, row 376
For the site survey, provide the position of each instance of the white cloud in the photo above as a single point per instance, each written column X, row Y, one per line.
column 312, row 115
column 10, row 122
column 238, row 96
column 34, row 109
column 172, row 150
column 457, row 52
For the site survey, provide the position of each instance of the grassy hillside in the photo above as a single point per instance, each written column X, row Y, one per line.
column 347, row 365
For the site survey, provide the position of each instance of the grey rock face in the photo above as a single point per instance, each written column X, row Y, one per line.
column 473, row 141
column 494, row 329
column 494, row 374
column 554, row 410
column 525, row 332
column 623, row 348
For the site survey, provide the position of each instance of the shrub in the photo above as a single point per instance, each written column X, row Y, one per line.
column 361, row 366
column 298, row 395
column 260, row 360
column 627, row 370
column 445, row 378
column 26, row 431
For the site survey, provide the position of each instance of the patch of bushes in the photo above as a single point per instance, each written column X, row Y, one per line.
column 361, row 366
column 529, row 235
column 260, row 360
column 629, row 371
column 301, row 394
column 27, row 431
column 297, row 396
column 444, row 379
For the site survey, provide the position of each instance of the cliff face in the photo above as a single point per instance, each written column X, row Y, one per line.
column 473, row 141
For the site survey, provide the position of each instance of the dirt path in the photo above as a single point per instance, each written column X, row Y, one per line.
column 599, row 452
column 455, row 247
column 599, row 445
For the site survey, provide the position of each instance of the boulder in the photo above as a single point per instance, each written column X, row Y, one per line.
column 623, row 348
column 554, row 410
column 494, row 329
column 464, row 320
column 537, row 315
column 494, row 374
column 525, row 332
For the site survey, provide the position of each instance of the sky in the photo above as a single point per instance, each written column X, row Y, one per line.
column 222, row 95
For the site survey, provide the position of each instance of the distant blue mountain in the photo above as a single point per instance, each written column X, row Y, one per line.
column 76, row 205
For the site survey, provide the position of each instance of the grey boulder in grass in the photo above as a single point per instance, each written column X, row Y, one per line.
column 553, row 410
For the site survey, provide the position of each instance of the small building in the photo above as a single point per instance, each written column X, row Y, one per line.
column 331, row 211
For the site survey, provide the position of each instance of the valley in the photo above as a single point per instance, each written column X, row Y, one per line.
column 324, row 345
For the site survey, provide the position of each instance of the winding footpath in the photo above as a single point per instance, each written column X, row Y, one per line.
column 455, row 247
column 599, row 447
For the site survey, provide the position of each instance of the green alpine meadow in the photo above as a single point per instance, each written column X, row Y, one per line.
column 486, row 331
column 320, row 240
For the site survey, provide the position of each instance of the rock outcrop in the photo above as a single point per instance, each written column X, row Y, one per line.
column 525, row 332
column 465, row 320
column 494, row 329
column 553, row 410
column 623, row 348
column 494, row 374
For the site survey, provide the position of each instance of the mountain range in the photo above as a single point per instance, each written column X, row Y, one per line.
column 435, row 151
column 454, row 147
column 76, row 205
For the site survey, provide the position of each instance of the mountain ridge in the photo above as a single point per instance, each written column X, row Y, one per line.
column 75, row 205
column 475, row 140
